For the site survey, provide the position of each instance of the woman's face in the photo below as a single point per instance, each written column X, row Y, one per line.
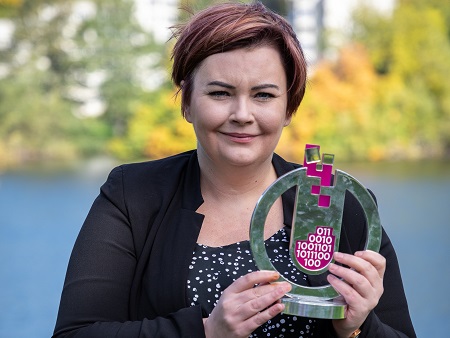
column 238, row 105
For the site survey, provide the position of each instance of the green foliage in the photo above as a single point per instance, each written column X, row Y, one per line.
column 36, row 120
column 336, row 111
column 281, row 7
column 71, row 75
column 114, row 45
column 157, row 129
column 38, row 125
column 410, row 52
column 81, row 81
column 386, row 97
column 8, row 8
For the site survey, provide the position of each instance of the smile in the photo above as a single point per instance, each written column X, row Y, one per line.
column 240, row 137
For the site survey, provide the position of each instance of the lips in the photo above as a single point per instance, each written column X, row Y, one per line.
column 240, row 137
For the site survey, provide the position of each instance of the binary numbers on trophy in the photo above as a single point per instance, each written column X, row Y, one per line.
column 316, row 252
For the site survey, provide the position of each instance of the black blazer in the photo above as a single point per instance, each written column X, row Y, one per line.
column 128, row 270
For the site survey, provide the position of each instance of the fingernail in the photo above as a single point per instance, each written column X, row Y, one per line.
column 331, row 277
column 283, row 288
column 338, row 255
column 359, row 253
column 288, row 287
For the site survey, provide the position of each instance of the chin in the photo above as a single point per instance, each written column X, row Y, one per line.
column 242, row 160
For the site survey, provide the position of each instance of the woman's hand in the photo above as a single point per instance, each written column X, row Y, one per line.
column 243, row 307
column 361, row 287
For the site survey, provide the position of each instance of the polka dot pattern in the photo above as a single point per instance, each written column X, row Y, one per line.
column 213, row 269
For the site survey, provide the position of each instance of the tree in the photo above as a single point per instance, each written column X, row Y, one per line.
column 412, row 60
column 281, row 7
column 82, row 65
column 336, row 111
column 119, row 55
column 8, row 8
column 156, row 130
column 386, row 96
column 36, row 119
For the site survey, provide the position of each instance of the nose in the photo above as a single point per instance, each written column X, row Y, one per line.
column 241, row 111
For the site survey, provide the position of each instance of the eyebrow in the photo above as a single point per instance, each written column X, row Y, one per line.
column 220, row 84
column 264, row 86
column 228, row 86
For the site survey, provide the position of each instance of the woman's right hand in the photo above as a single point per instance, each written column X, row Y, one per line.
column 243, row 307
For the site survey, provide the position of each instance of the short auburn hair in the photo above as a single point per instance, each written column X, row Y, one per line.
column 229, row 26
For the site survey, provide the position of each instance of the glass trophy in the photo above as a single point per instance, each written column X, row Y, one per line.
column 316, row 229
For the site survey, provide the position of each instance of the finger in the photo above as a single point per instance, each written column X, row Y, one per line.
column 361, row 297
column 376, row 259
column 262, row 290
column 362, row 266
column 251, row 279
column 367, row 256
column 351, row 281
column 263, row 316
column 350, row 295
column 258, row 299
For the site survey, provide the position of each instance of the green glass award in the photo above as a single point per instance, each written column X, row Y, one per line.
column 316, row 229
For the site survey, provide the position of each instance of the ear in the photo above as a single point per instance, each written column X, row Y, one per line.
column 287, row 121
column 185, row 109
column 187, row 114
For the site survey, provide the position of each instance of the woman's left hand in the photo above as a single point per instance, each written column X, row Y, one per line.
column 361, row 286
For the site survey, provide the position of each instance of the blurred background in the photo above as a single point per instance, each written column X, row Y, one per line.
column 85, row 85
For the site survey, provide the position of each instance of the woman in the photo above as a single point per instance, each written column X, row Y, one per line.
column 164, row 250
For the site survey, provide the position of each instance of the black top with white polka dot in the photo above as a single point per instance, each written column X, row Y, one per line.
column 213, row 269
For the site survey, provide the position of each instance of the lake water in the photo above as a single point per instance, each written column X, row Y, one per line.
column 40, row 216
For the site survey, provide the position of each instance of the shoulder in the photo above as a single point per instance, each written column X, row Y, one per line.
column 150, row 181
column 156, row 169
column 161, row 172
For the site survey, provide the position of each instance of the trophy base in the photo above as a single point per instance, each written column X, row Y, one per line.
column 315, row 308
